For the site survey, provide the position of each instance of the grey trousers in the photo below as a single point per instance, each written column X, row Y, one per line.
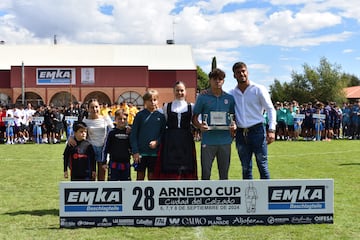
column 222, row 154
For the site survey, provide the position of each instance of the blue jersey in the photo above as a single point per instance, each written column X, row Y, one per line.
column 346, row 115
column 355, row 114
column 217, row 110
column 147, row 126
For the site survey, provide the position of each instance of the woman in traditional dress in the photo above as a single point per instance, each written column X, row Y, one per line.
column 177, row 158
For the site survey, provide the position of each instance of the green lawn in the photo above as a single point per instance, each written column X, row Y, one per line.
column 29, row 195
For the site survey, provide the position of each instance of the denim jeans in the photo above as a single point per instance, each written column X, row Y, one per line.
column 253, row 142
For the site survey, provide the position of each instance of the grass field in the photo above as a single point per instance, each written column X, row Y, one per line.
column 29, row 197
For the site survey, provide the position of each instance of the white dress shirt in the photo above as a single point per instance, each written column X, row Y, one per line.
column 251, row 104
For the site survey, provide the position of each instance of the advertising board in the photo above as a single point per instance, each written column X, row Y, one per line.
column 196, row 203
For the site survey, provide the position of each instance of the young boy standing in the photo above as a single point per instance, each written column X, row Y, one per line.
column 147, row 129
column 117, row 145
column 80, row 159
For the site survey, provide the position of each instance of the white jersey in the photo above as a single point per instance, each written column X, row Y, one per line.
column 97, row 129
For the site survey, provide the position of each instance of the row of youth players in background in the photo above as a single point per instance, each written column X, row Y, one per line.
column 294, row 120
column 161, row 141
column 54, row 125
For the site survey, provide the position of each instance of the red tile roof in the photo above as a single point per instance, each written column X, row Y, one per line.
column 352, row 92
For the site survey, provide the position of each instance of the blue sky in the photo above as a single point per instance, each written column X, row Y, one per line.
column 273, row 37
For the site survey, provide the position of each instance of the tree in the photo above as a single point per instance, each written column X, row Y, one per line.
column 202, row 79
column 323, row 83
column 213, row 63
column 351, row 80
column 277, row 92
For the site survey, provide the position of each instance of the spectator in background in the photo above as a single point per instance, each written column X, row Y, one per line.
column 281, row 126
column 346, row 111
column 337, row 121
column 114, row 107
column 355, row 120
column 58, row 125
column 29, row 113
column 308, row 123
column 71, row 111
column 329, row 121
column 133, row 110
column 2, row 124
column 49, row 124
column 319, row 123
column 37, row 126
column 124, row 107
column 297, row 124
column 10, row 128
column 289, row 121
column 105, row 109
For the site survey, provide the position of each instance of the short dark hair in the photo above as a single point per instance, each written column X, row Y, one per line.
column 217, row 73
column 78, row 125
column 238, row 65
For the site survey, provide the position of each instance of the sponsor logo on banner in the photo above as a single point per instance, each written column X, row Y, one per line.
column 144, row 222
column 57, row 76
column 123, row 222
column 296, row 197
column 83, row 223
column 219, row 221
column 174, row 221
column 246, row 221
column 323, row 219
column 278, row 220
column 301, row 219
column 104, row 223
column 93, row 200
column 65, row 223
column 160, row 221
column 194, row 221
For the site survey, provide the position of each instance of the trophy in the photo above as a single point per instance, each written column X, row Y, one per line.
column 232, row 120
column 204, row 119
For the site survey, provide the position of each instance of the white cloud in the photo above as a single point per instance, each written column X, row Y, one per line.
column 140, row 21
column 260, row 67
column 348, row 50
column 285, row 24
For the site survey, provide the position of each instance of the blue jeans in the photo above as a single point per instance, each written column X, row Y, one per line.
column 98, row 153
column 252, row 141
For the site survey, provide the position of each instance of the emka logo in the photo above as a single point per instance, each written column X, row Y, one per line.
column 54, row 73
column 297, row 194
column 92, row 196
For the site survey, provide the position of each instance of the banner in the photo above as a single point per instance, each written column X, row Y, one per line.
column 196, row 203
column 55, row 76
